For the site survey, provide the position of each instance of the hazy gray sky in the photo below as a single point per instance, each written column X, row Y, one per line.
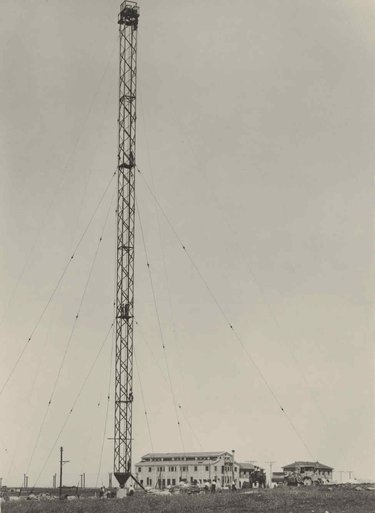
column 255, row 129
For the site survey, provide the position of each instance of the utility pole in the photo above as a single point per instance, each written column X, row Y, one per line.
column 83, row 480
column 270, row 478
column 54, row 481
column 25, row 481
column 110, row 480
column 123, row 424
column 61, row 469
column 233, row 453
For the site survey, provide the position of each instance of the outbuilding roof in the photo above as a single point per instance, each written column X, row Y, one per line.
column 246, row 466
column 314, row 464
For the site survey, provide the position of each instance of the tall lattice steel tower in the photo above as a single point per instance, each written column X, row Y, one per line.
column 128, row 25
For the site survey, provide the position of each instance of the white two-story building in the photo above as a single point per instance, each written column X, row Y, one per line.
column 161, row 470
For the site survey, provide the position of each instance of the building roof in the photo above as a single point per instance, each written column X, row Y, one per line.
column 314, row 464
column 246, row 466
column 170, row 455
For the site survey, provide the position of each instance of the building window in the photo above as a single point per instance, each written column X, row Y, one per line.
column 139, row 469
column 235, row 469
column 173, row 482
column 168, row 482
column 215, row 467
column 195, row 469
column 149, row 469
column 206, row 468
column 222, row 469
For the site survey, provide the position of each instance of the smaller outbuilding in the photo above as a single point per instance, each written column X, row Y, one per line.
column 309, row 468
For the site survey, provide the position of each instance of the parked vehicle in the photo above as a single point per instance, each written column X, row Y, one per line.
column 297, row 478
column 185, row 488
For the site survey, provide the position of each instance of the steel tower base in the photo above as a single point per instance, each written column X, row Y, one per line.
column 122, row 478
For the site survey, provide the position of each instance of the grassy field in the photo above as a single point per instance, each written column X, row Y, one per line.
column 282, row 500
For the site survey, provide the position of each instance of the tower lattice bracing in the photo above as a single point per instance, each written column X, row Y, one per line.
column 128, row 25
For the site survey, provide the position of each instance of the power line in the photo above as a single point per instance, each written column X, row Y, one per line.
column 106, row 408
column 253, row 277
column 59, row 281
column 30, row 395
column 149, row 349
column 165, row 268
column 225, row 317
column 75, row 401
column 161, row 331
column 63, row 175
column 144, row 403
column 190, row 427
column 155, row 360
column 110, row 370
column 68, row 343
column 109, row 380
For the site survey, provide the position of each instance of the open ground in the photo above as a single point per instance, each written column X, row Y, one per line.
column 285, row 500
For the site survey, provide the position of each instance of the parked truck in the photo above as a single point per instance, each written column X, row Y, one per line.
column 297, row 478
